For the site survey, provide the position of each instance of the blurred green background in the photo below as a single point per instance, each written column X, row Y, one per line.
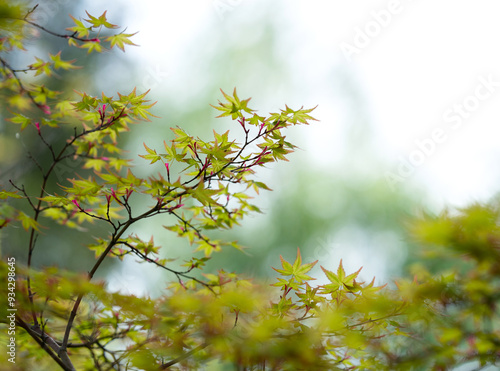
column 333, row 199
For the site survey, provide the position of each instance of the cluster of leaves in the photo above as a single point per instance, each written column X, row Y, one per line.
column 434, row 321
column 85, row 34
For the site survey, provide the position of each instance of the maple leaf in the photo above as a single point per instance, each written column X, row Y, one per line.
column 297, row 270
column 99, row 21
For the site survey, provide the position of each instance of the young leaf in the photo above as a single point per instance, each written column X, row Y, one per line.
column 99, row 22
column 297, row 270
column 80, row 29
column 120, row 40
column 27, row 221
column 20, row 119
column 60, row 64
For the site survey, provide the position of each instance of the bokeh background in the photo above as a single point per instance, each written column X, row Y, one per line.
column 407, row 97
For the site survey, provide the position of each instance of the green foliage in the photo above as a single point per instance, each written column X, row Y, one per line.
column 435, row 321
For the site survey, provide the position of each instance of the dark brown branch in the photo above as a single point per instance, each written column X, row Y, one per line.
column 48, row 344
column 177, row 273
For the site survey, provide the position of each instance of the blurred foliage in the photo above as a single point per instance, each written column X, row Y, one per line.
column 434, row 321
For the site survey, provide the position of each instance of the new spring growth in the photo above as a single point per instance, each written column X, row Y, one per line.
column 259, row 158
column 193, row 148
column 167, row 166
column 242, row 123
column 261, row 127
column 74, row 211
column 45, row 109
column 115, row 196
column 37, row 124
column 179, row 205
column 128, row 192
column 75, row 202
column 111, row 120
column 102, row 113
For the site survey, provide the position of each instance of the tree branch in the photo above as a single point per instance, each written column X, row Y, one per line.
column 48, row 344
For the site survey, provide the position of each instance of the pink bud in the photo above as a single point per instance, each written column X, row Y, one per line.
column 45, row 109
column 37, row 124
column 182, row 284
column 95, row 40
column 76, row 203
column 128, row 193
column 167, row 166
column 105, row 158
column 114, row 195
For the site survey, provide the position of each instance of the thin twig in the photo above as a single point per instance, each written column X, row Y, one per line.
column 164, row 366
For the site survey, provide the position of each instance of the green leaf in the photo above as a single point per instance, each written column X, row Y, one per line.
column 27, row 221
column 40, row 66
column 80, row 29
column 120, row 40
column 92, row 46
column 208, row 247
column 60, row 64
column 234, row 106
column 20, row 119
column 152, row 155
column 87, row 103
column 172, row 154
column 5, row 194
column 55, row 200
column 41, row 93
column 99, row 247
column 204, row 195
column 259, row 185
column 297, row 270
column 339, row 280
column 94, row 163
column 99, row 22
